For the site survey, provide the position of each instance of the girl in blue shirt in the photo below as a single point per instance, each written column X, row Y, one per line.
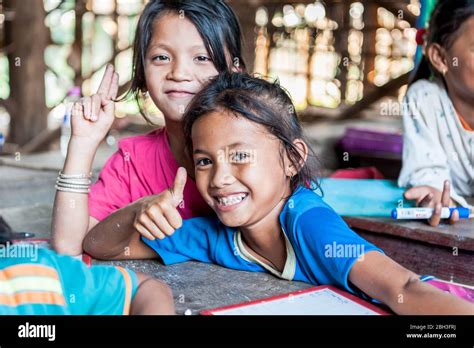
column 254, row 168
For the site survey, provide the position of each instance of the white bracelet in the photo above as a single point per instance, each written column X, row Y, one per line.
column 74, row 181
column 86, row 187
column 67, row 189
column 77, row 183
column 75, row 176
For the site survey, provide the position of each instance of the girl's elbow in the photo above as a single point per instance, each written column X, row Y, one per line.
column 97, row 249
column 393, row 293
column 93, row 248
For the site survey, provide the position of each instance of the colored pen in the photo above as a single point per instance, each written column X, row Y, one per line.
column 426, row 213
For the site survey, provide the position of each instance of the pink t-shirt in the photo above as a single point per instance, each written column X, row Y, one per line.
column 143, row 165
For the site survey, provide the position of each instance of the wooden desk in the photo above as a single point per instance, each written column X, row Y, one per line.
column 445, row 251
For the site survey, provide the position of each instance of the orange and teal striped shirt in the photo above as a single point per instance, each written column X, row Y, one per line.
column 39, row 281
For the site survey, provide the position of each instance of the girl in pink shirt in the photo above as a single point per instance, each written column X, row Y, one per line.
column 178, row 47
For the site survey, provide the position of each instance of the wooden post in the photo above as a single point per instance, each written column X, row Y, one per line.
column 27, row 37
column 370, row 20
column 339, row 12
column 245, row 12
column 75, row 57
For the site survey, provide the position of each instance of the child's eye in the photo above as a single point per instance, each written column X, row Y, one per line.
column 202, row 162
column 203, row 59
column 160, row 58
column 240, row 157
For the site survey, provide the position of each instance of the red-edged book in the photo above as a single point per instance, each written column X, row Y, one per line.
column 44, row 243
column 319, row 300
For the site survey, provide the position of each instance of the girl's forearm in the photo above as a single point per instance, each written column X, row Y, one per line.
column 70, row 221
column 422, row 298
column 111, row 238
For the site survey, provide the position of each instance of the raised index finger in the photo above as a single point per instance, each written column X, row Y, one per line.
column 445, row 196
column 106, row 82
column 114, row 86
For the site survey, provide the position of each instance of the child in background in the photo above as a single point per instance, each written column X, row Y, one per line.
column 438, row 119
column 37, row 281
column 178, row 46
column 254, row 168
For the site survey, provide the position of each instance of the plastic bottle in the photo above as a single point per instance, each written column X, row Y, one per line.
column 73, row 95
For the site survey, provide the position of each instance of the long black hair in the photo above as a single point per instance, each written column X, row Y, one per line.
column 262, row 102
column 214, row 20
column 446, row 19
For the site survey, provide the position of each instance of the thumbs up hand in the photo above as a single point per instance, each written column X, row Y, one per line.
column 157, row 216
column 177, row 190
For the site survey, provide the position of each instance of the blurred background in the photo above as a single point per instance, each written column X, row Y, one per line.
column 346, row 65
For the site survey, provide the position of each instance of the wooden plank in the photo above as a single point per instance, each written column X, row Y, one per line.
column 459, row 235
column 423, row 258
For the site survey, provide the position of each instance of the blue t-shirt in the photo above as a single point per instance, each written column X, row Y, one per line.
column 324, row 246
column 37, row 281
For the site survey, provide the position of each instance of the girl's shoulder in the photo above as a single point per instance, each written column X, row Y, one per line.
column 150, row 147
column 302, row 200
column 153, row 139
column 307, row 215
column 426, row 100
column 426, row 89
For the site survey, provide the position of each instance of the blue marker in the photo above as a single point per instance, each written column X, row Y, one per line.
column 426, row 213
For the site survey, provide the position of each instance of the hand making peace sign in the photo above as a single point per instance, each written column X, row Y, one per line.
column 93, row 116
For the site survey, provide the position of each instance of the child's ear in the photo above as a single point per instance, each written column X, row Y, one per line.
column 303, row 150
column 437, row 56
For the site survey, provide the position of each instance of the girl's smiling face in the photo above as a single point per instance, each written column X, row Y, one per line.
column 460, row 59
column 240, row 169
column 177, row 64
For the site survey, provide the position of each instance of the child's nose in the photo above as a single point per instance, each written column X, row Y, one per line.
column 180, row 71
column 222, row 176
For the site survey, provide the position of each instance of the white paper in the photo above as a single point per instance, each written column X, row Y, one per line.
column 319, row 302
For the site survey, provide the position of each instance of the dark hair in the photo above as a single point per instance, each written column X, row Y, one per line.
column 214, row 20
column 446, row 19
column 5, row 232
column 259, row 101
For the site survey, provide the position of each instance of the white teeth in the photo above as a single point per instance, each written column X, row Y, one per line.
column 231, row 200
